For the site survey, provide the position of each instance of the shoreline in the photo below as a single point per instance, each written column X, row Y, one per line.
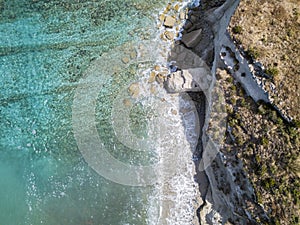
column 223, row 189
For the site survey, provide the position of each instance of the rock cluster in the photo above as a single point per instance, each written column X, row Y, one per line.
column 170, row 20
column 191, row 39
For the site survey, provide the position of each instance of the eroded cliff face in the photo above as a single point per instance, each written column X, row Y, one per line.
column 222, row 173
column 224, row 200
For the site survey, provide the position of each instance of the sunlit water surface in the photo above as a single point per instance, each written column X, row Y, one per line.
column 46, row 49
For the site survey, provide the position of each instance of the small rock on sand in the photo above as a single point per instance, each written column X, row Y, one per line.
column 160, row 78
column 168, row 8
column 157, row 67
column 182, row 15
column 162, row 17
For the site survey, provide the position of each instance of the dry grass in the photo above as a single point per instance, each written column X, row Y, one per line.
column 273, row 27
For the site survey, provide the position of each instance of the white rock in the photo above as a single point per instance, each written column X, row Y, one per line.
column 195, row 79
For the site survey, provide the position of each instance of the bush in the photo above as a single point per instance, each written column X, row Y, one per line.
column 259, row 197
column 297, row 123
column 263, row 170
column 272, row 71
column 264, row 141
column 253, row 52
column 268, row 183
column 237, row 29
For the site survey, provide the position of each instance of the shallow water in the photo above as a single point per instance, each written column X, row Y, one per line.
column 48, row 49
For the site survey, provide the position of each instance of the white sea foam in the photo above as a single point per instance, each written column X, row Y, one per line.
column 176, row 191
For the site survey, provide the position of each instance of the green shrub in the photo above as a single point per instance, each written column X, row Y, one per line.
column 233, row 87
column 273, row 169
column 237, row 29
column 243, row 102
column 230, row 79
column 268, row 183
column 253, row 52
column 297, row 123
column 272, row 71
column 277, row 222
column 233, row 100
column 263, row 170
column 258, row 159
column 295, row 220
column 264, row 141
column 259, row 197
column 291, row 33
column 279, row 121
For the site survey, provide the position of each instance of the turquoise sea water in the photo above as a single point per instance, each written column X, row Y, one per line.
column 46, row 47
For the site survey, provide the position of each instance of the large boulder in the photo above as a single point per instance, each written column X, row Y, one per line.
column 191, row 39
column 195, row 79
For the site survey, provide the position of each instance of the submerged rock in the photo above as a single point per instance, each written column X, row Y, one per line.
column 134, row 90
column 127, row 102
column 125, row 60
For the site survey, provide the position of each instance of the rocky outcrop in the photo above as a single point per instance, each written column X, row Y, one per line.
column 225, row 190
column 191, row 39
column 205, row 46
column 239, row 68
column 195, row 80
